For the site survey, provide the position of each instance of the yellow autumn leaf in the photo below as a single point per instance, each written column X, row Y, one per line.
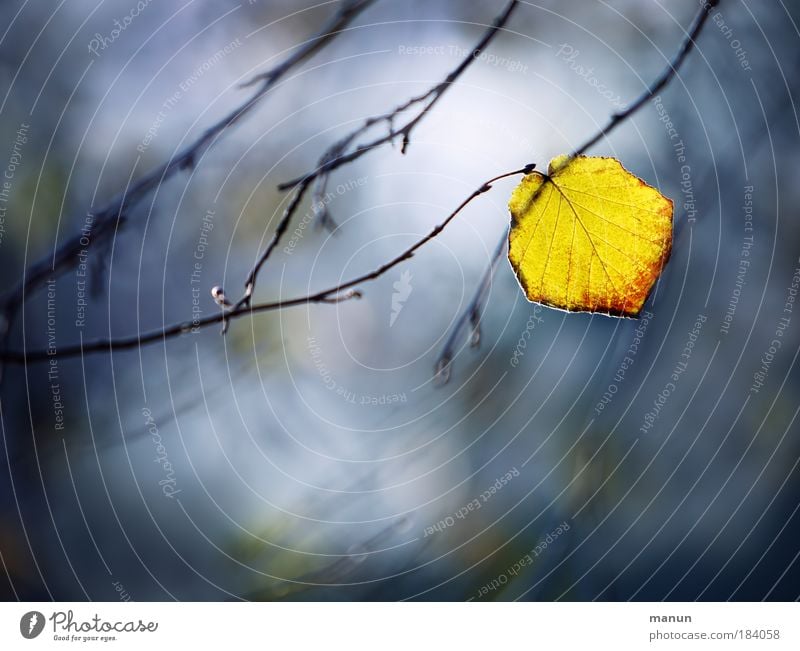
column 589, row 236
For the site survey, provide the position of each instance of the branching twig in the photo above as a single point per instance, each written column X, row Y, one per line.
column 473, row 312
column 107, row 218
column 345, row 150
column 662, row 80
column 472, row 316
column 337, row 155
column 345, row 291
column 341, row 292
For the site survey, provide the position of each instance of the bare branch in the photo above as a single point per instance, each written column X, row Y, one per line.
column 341, row 292
column 345, row 290
column 283, row 224
column 473, row 312
column 107, row 219
column 340, row 153
column 347, row 12
column 661, row 81
column 472, row 316
column 337, row 155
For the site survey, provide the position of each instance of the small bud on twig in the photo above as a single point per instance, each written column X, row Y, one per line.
column 218, row 294
column 441, row 374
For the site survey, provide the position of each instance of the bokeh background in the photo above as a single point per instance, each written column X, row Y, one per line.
column 308, row 454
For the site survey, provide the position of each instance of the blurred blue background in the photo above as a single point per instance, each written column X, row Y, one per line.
column 308, row 454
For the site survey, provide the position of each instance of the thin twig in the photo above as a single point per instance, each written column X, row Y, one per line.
column 472, row 316
column 338, row 155
column 107, row 219
column 341, row 292
column 662, row 80
column 473, row 312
